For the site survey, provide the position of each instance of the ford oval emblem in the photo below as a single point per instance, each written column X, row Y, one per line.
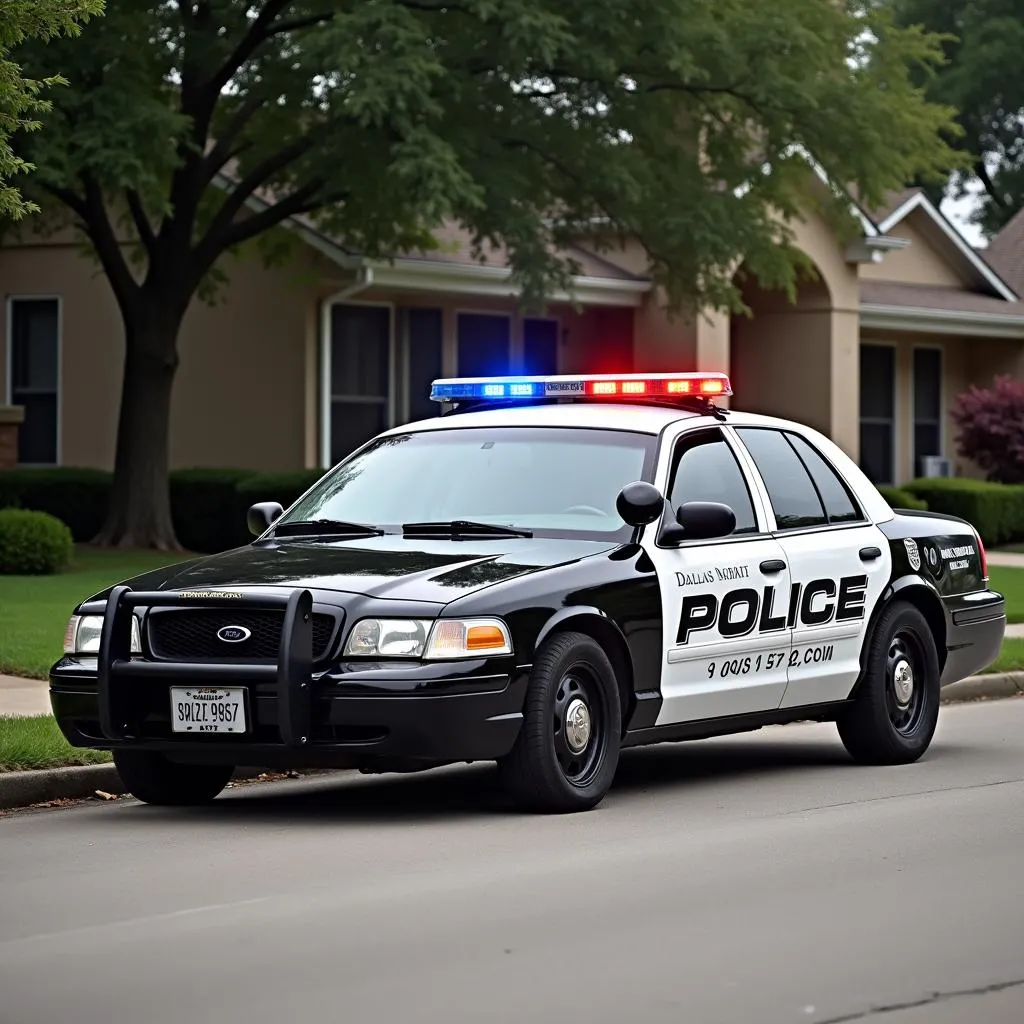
column 233, row 634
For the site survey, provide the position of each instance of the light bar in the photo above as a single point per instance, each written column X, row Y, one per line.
column 625, row 385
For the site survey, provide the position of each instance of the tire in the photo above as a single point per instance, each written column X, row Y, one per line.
column 889, row 723
column 154, row 779
column 543, row 772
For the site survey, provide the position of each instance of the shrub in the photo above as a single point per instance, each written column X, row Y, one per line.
column 991, row 429
column 204, row 507
column 996, row 511
column 33, row 543
column 286, row 488
column 78, row 497
column 896, row 497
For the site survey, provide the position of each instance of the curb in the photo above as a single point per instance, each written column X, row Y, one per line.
column 22, row 789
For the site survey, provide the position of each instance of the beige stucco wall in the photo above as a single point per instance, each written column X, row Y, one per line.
column 240, row 395
column 919, row 262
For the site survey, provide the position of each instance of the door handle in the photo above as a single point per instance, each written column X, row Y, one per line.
column 772, row 565
column 869, row 554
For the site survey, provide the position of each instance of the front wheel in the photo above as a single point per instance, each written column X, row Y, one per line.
column 154, row 779
column 567, row 751
column 895, row 712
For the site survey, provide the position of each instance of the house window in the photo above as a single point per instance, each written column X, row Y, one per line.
column 424, row 344
column 485, row 343
column 360, row 376
column 878, row 412
column 540, row 346
column 927, row 405
column 33, row 376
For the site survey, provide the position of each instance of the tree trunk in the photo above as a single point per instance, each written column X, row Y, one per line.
column 140, row 504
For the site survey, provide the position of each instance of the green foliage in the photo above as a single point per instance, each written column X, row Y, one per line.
column 678, row 121
column 899, row 498
column 996, row 511
column 33, row 543
column 285, row 488
column 77, row 497
column 204, row 505
column 22, row 100
column 981, row 78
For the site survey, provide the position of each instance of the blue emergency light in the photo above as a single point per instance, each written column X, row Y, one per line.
column 597, row 386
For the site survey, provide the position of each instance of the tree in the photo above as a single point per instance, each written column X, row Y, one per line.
column 201, row 126
column 21, row 99
column 991, row 429
column 981, row 78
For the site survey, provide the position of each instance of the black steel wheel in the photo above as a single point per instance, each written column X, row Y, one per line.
column 896, row 708
column 567, row 751
column 154, row 779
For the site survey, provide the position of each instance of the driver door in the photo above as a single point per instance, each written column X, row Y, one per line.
column 726, row 634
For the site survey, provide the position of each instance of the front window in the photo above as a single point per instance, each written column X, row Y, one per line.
column 553, row 481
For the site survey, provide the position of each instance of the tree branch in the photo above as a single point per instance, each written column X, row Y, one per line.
column 74, row 202
column 296, row 24
column 105, row 242
column 222, row 151
column 142, row 224
column 246, row 47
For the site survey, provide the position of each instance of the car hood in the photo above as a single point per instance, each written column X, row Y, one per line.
column 389, row 567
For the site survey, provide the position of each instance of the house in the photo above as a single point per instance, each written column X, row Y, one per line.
column 295, row 365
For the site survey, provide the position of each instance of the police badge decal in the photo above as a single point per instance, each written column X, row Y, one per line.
column 913, row 555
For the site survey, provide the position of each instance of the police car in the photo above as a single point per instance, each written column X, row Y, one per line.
column 554, row 569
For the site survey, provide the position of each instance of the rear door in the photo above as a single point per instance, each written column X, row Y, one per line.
column 838, row 560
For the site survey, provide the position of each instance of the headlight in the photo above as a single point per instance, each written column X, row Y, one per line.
column 427, row 639
column 83, row 635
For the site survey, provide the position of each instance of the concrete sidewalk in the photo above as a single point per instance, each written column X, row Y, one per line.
column 24, row 696
column 1008, row 559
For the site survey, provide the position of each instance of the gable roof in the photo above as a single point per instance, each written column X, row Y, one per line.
column 1006, row 251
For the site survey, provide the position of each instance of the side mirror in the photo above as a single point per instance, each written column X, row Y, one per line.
column 639, row 503
column 262, row 516
column 699, row 520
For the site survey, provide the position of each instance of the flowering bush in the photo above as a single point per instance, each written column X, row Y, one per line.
column 991, row 422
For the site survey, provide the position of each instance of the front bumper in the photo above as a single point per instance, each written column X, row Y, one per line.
column 351, row 714
column 976, row 625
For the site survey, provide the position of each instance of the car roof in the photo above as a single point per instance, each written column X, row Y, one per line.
column 644, row 419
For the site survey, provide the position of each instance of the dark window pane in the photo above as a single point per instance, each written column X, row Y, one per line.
column 927, row 441
column 876, row 455
column 35, row 352
column 927, row 386
column 426, row 339
column 707, row 470
column 877, row 380
column 360, row 338
column 540, row 346
column 789, row 487
column 354, row 423
column 838, row 503
column 483, row 345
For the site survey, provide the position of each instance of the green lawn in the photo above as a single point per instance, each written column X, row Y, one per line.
column 1010, row 583
column 36, row 608
column 1011, row 658
column 31, row 743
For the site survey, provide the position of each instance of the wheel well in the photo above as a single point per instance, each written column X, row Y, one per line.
column 931, row 608
column 613, row 644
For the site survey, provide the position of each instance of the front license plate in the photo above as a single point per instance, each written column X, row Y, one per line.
column 207, row 709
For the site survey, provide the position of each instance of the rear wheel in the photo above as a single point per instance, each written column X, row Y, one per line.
column 154, row 779
column 567, row 750
column 896, row 709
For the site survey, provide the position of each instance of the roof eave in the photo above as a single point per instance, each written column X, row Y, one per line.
column 880, row 316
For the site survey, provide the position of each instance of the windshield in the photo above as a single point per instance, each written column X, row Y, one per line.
column 556, row 481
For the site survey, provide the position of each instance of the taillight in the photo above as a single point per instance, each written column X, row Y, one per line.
column 983, row 556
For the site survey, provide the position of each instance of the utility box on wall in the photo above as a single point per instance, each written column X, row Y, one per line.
column 11, row 418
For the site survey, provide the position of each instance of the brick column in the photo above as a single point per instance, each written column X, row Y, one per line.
column 11, row 418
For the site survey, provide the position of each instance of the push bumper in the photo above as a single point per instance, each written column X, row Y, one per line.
column 976, row 625
column 352, row 714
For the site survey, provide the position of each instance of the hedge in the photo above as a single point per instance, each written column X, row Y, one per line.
column 204, row 508
column 896, row 497
column 285, row 488
column 996, row 511
column 33, row 543
column 77, row 497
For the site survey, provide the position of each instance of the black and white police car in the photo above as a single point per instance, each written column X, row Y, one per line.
column 554, row 569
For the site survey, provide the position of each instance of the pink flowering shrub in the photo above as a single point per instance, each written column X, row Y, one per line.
column 991, row 423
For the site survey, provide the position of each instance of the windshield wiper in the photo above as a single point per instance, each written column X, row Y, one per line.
column 334, row 527
column 462, row 528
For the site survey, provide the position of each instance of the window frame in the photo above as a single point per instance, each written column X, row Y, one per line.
column 9, row 367
column 671, row 446
column 895, row 452
column 784, row 531
column 941, row 422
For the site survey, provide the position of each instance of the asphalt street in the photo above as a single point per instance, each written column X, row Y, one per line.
column 751, row 880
